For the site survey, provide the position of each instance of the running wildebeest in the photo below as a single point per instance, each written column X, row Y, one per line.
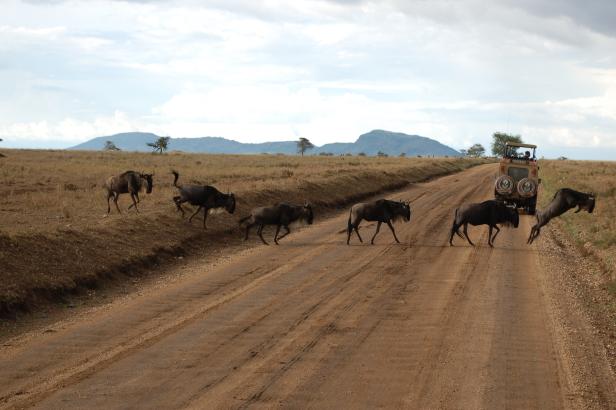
column 129, row 182
column 381, row 211
column 488, row 213
column 281, row 215
column 564, row 199
column 206, row 197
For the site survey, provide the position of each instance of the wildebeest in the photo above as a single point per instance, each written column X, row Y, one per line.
column 129, row 182
column 382, row 210
column 564, row 199
column 281, row 215
column 205, row 197
column 488, row 213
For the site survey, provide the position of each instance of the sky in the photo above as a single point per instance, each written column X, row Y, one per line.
column 329, row 70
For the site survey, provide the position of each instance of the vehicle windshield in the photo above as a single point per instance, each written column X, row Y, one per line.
column 525, row 153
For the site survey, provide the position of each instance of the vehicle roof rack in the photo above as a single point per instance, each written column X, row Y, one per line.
column 518, row 144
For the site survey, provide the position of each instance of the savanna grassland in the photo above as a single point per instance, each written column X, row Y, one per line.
column 55, row 236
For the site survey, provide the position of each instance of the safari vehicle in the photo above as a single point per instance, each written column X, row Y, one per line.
column 518, row 181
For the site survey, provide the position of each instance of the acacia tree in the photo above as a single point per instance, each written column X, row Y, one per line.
column 160, row 145
column 110, row 146
column 303, row 145
column 498, row 142
column 476, row 150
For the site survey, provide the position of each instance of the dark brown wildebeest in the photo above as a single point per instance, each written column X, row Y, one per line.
column 564, row 199
column 205, row 197
column 381, row 211
column 281, row 215
column 488, row 213
column 130, row 182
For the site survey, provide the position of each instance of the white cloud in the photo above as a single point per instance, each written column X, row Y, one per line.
column 68, row 129
column 327, row 70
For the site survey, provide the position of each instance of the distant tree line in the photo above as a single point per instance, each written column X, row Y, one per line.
column 499, row 140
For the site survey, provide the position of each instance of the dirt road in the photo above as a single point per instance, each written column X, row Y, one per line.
column 315, row 323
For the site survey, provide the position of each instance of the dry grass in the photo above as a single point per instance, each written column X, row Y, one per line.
column 54, row 236
column 44, row 190
column 594, row 232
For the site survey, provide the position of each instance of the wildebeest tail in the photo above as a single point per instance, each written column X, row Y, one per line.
column 453, row 225
column 349, row 224
column 176, row 175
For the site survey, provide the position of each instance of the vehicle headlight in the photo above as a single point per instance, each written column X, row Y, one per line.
column 504, row 185
column 527, row 187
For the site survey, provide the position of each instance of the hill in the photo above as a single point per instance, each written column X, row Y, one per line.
column 391, row 143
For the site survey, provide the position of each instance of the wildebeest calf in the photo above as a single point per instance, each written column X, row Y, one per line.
column 564, row 199
column 488, row 213
column 205, row 197
column 129, row 182
column 382, row 210
column 281, row 215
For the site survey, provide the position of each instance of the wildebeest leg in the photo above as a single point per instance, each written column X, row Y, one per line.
column 466, row 234
column 247, row 230
column 490, row 236
column 135, row 204
column 534, row 233
column 132, row 196
column 497, row 231
column 205, row 211
column 530, row 236
column 115, row 201
column 109, row 196
column 353, row 227
column 178, row 204
column 288, row 231
column 357, row 232
column 196, row 212
column 537, row 232
column 578, row 210
column 260, row 233
column 378, row 227
column 392, row 231
column 276, row 235
column 454, row 230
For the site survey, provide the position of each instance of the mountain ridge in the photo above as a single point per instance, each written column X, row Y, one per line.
column 371, row 143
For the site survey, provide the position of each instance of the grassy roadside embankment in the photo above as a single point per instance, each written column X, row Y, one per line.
column 54, row 238
column 593, row 274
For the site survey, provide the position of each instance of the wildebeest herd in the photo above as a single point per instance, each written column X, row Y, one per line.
column 281, row 215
